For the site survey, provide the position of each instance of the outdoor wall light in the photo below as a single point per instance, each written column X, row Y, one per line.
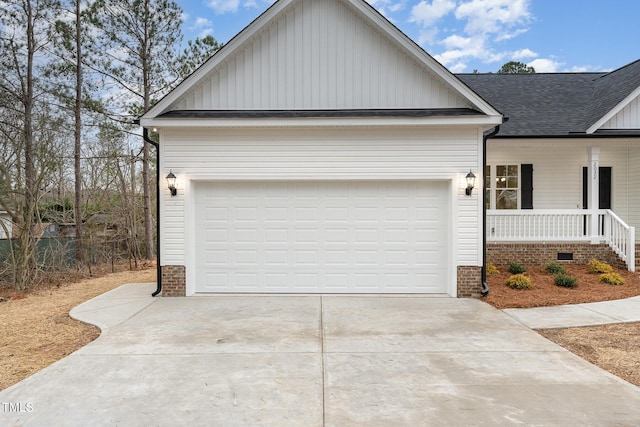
column 171, row 182
column 471, row 182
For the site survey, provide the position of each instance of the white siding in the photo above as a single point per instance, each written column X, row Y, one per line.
column 627, row 118
column 557, row 171
column 320, row 55
column 313, row 154
column 634, row 195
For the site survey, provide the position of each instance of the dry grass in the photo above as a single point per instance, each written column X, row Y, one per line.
column 36, row 329
column 614, row 348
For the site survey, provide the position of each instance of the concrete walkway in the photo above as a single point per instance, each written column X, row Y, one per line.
column 565, row 316
column 314, row 361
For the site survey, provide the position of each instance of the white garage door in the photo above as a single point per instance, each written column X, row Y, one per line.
column 322, row 237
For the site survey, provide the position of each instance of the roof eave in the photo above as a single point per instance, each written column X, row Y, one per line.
column 463, row 120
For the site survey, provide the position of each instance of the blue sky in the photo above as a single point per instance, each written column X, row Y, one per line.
column 467, row 35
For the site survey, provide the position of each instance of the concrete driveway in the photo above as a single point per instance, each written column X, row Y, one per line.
column 312, row 361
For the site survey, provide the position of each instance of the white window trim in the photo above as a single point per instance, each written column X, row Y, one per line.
column 493, row 189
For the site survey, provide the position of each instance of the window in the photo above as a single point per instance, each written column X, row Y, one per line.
column 507, row 187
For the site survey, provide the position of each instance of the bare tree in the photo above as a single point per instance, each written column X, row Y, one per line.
column 71, row 28
column 137, row 39
column 23, row 38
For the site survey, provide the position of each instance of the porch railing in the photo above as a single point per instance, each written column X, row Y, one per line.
column 556, row 225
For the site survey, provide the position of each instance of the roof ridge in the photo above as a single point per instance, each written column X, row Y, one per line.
column 621, row 68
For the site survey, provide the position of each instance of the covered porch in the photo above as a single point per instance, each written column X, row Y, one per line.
column 572, row 192
column 569, row 226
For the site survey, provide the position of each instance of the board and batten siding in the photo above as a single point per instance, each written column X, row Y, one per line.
column 634, row 195
column 419, row 153
column 320, row 55
column 627, row 118
column 557, row 171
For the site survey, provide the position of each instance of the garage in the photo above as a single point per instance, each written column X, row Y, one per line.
column 321, row 151
column 322, row 236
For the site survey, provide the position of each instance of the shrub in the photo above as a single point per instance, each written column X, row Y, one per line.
column 515, row 268
column 599, row 267
column 564, row 280
column 519, row 281
column 611, row 279
column 491, row 269
column 555, row 268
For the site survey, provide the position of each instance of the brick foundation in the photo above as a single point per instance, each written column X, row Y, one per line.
column 174, row 281
column 469, row 278
column 542, row 253
column 469, row 281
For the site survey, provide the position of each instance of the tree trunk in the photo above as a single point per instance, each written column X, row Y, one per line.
column 146, row 182
column 78, row 141
column 26, row 257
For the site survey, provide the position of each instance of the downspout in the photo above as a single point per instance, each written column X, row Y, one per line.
column 494, row 132
column 145, row 135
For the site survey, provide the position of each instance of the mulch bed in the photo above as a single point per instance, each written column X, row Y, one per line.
column 544, row 292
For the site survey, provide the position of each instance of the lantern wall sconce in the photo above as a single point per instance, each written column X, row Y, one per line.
column 171, row 183
column 471, row 182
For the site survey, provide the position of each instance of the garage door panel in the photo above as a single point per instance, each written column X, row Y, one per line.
column 339, row 237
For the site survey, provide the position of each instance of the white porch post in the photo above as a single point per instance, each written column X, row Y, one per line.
column 593, row 182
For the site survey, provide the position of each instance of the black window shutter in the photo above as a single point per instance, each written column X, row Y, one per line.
column 526, row 192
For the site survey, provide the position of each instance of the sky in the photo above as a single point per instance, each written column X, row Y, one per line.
column 468, row 35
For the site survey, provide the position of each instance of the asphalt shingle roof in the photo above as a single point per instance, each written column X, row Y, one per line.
column 558, row 104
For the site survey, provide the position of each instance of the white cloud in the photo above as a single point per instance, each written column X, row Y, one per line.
column 543, row 65
column 396, row 7
column 427, row 36
column 203, row 26
column 224, row 6
column 384, row 7
column 493, row 16
column 523, row 54
column 486, row 24
column 205, row 32
column 427, row 14
column 457, row 42
column 231, row 6
column 458, row 67
column 201, row 22
column 510, row 35
column 459, row 48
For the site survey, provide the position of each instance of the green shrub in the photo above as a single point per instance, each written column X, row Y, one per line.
column 555, row 268
column 599, row 267
column 491, row 269
column 611, row 279
column 564, row 280
column 519, row 281
column 516, row 268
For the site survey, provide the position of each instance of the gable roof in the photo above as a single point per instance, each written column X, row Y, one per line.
column 610, row 92
column 277, row 63
column 557, row 104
